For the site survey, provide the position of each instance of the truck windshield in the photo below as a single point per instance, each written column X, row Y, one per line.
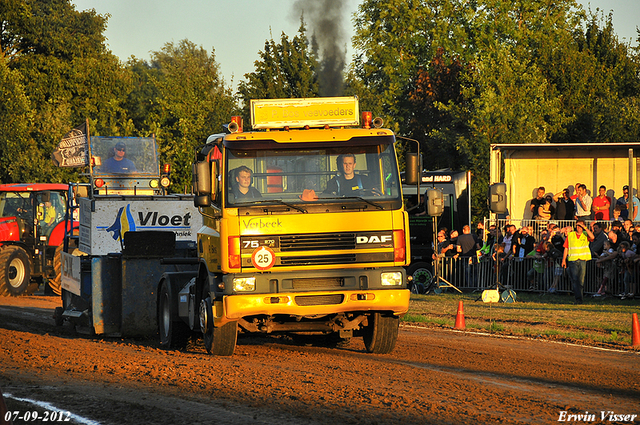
column 326, row 174
column 124, row 155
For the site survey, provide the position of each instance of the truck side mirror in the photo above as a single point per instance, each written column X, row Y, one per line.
column 202, row 201
column 201, row 179
column 412, row 169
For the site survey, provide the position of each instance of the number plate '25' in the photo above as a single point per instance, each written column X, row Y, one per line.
column 263, row 258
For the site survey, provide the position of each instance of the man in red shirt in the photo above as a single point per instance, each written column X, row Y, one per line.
column 601, row 205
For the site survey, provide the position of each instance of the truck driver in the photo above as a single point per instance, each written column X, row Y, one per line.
column 242, row 190
column 347, row 182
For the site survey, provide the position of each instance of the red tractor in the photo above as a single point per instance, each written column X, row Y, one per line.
column 32, row 228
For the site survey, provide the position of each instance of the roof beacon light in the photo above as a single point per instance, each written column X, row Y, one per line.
column 235, row 126
column 367, row 118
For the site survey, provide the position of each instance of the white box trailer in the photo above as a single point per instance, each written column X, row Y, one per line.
column 105, row 219
column 556, row 166
column 127, row 245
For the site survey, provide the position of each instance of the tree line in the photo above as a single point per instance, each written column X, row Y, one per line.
column 455, row 75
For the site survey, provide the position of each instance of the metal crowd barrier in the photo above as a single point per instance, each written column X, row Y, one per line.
column 539, row 225
column 519, row 274
column 479, row 273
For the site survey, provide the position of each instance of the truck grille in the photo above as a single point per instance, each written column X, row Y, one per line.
column 331, row 299
column 293, row 250
column 317, row 242
column 332, row 282
column 318, row 260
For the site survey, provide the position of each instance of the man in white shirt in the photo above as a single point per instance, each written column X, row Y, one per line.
column 583, row 204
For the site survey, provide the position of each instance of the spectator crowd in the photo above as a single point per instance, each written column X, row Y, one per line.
column 565, row 206
column 557, row 244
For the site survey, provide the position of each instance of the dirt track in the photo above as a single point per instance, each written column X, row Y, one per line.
column 433, row 376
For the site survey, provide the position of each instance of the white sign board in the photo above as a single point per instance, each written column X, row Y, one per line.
column 70, row 272
column 104, row 220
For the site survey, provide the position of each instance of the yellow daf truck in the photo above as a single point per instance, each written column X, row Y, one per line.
column 304, row 230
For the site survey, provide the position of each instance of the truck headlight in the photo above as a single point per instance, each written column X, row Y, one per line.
column 244, row 284
column 391, row 279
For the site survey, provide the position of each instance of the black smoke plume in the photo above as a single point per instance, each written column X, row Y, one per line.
column 325, row 19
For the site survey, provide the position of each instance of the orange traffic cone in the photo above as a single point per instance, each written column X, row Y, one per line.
column 460, row 317
column 635, row 330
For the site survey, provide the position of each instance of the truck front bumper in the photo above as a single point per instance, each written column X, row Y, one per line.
column 234, row 307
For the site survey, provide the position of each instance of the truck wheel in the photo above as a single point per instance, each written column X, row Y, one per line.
column 15, row 272
column 381, row 333
column 218, row 341
column 173, row 334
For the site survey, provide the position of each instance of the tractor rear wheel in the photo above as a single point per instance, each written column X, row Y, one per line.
column 56, row 283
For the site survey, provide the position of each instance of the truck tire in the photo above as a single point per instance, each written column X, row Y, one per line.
column 381, row 333
column 219, row 341
column 15, row 271
column 173, row 334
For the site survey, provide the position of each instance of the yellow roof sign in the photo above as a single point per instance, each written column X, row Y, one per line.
column 317, row 112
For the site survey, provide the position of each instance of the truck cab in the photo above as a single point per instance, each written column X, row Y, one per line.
column 304, row 227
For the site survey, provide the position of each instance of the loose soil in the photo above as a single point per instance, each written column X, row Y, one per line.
column 433, row 376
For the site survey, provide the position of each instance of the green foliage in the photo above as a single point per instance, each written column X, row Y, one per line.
column 182, row 99
column 15, row 120
column 456, row 75
column 459, row 76
column 67, row 76
column 285, row 70
column 600, row 85
column 55, row 62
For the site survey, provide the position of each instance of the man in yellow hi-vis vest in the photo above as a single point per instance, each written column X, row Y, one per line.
column 576, row 254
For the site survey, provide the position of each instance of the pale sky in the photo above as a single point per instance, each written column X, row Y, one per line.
column 238, row 29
